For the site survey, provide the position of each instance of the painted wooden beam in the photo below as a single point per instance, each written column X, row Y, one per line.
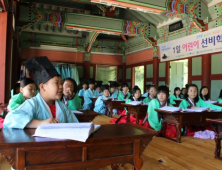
column 91, row 39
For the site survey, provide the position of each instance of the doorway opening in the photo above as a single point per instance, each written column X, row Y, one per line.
column 178, row 74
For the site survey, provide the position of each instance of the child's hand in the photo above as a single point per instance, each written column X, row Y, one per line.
column 51, row 120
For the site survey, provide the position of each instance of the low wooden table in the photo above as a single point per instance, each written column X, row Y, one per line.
column 86, row 116
column 113, row 104
column 177, row 102
column 180, row 119
column 110, row 145
column 138, row 110
column 217, row 124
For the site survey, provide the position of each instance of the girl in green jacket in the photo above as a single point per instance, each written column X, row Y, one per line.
column 151, row 94
column 28, row 90
column 175, row 96
column 192, row 100
column 162, row 100
column 204, row 93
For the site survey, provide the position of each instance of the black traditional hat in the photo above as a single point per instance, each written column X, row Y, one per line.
column 105, row 87
column 91, row 81
column 41, row 68
column 114, row 84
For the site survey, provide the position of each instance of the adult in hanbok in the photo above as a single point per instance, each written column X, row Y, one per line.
column 89, row 93
column 46, row 106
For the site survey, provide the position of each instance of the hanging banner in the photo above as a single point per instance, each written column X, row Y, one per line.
column 201, row 43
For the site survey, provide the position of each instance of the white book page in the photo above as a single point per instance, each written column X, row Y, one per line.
column 74, row 131
column 211, row 101
column 76, row 112
column 135, row 103
column 200, row 109
column 170, row 109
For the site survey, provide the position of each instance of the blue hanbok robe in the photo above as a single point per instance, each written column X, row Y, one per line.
column 114, row 95
column 37, row 108
column 100, row 106
column 145, row 94
column 87, row 101
column 81, row 92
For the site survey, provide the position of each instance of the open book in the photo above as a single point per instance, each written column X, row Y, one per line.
column 76, row 112
column 170, row 109
column 199, row 109
column 73, row 131
column 211, row 101
column 135, row 103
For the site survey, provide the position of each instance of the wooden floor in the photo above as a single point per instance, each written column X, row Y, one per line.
column 191, row 154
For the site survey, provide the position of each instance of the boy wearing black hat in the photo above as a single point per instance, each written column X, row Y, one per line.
column 84, row 88
column 113, row 90
column 89, row 93
column 46, row 106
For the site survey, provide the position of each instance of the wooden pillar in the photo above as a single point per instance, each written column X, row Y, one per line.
column 16, row 62
column 167, row 73
column 155, row 70
column 9, row 57
column 124, row 72
column 189, row 70
column 206, row 70
column 86, row 65
column 3, row 35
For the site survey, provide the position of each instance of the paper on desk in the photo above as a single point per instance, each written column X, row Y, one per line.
column 170, row 109
column 199, row 109
column 74, row 131
column 76, row 112
column 135, row 103
column 211, row 101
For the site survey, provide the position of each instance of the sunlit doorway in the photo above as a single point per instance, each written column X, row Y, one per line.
column 139, row 77
column 178, row 74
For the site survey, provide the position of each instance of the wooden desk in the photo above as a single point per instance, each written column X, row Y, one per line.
column 217, row 124
column 110, row 145
column 87, row 116
column 180, row 119
column 177, row 103
column 113, row 104
column 139, row 110
column 93, row 99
